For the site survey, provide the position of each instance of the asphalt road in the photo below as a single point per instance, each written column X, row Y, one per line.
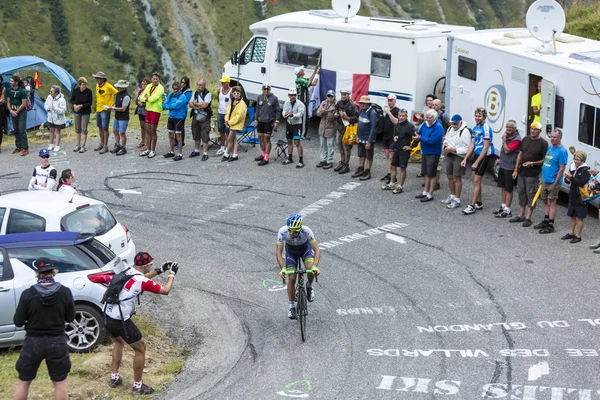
column 415, row 301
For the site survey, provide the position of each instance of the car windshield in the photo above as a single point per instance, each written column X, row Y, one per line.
column 95, row 219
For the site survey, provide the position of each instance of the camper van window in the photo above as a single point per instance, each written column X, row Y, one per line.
column 297, row 54
column 467, row 68
column 380, row 64
column 254, row 51
column 589, row 125
column 559, row 112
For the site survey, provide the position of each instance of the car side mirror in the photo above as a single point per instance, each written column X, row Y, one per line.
column 234, row 58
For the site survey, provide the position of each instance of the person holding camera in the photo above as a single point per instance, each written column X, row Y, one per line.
column 118, row 317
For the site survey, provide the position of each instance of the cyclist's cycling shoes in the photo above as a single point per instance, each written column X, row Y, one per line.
column 310, row 294
column 292, row 313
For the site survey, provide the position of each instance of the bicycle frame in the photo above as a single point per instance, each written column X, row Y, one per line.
column 301, row 297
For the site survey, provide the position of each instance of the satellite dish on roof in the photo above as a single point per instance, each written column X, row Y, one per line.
column 346, row 8
column 545, row 19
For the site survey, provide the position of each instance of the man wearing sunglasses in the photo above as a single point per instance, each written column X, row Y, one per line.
column 105, row 100
column 299, row 242
column 266, row 121
column 44, row 175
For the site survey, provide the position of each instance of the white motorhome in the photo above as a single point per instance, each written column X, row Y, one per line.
column 405, row 57
column 499, row 69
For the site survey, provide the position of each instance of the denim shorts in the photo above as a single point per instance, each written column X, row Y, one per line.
column 120, row 126
column 103, row 119
column 221, row 124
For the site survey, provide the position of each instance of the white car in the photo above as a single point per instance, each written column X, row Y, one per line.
column 39, row 211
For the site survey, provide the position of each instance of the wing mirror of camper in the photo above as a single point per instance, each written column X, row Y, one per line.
column 234, row 58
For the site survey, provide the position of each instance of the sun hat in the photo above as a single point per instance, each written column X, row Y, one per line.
column 99, row 75
column 292, row 91
column 225, row 78
column 365, row 99
column 121, row 83
column 456, row 119
column 43, row 264
column 298, row 69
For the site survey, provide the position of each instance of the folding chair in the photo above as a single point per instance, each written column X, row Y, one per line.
column 248, row 133
column 282, row 146
column 214, row 137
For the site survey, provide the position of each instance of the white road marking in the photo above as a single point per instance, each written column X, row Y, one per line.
column 538, row 370
column 395, row 238
column 128, row 191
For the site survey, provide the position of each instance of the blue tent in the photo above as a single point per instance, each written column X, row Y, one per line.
column 10, row 65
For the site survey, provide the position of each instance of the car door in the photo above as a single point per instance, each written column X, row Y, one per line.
column 8, row 303
column 20, row 221
column 2, row 220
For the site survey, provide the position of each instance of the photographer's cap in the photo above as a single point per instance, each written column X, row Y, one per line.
column 292, row 91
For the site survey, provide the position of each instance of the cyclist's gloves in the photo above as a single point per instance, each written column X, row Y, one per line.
column 282, row 273
column 174, row 268
column 315, row 270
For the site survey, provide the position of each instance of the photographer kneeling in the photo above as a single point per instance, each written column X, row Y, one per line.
column 118, row 315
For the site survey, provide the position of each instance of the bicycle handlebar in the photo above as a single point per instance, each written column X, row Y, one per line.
column 302, row 271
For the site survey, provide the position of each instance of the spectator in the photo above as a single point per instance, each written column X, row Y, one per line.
column 44, row 175
column 420, row 118
column 56, row 106
column 176, row 102
column 140, row 111
column 456, row 144
column 293, row 112
column 327, row 129
column 17, row 103
column 482, row 148
column 65, row 183
column 431, row 137
column 302, row 86
column 105, row 93
column 536, row 102
column 187, row 92
column 120, row 325
column 224, row 97
column 366, row 133
column 44, row 309
column 552, row 177
column 266, row 120
column 3, row 111
column 235, row 117
column 81, row 100
column 390, row 121
column 436, row 104
column 511, row 142
column 527, row 168
column 201, row 114
column 346, row 114
column 152, row 97
column 121, row 109
column 577, row 176
column 404, row 132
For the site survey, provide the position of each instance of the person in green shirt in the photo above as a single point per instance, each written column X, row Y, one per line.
column 17, row 103
column 536, row 102
column 302, row 85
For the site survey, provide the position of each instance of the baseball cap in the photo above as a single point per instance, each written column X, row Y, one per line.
column 142, row 258
column 225, row 78
column 331, row 93
column 345, row 90
column 391, row 96
column 266, row 85
column 292, row 91
column 44, row 153
column 298, row 69
column 536, row 125
column 456, row 119
column 43, row 264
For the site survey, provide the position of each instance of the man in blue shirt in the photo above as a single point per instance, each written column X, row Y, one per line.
column 552, row 176
column 431, row 136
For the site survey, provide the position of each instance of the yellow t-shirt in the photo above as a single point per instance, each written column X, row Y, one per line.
column 536, row 101
column 105, row 96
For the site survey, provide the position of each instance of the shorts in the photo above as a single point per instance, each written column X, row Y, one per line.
column 142, row 117
column 400, row 158
column 363, row 152
column 126, row 330
column 577, row 211
column 452, row 165
column 505, row 180
column 265, row 127
column 120, row 125
column 429, row 163
column 293, row 132
column 175, row 125
column 294, row 253
column 152, row 117
column 201, row 130
column 480, row 170
column 55, row 126
column 527, row 187
column 53, row 349
column 387, row 142
column 548, row 193
column 103, row 120
column 221, row 124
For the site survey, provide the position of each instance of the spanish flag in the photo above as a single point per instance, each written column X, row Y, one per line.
column 37, row 81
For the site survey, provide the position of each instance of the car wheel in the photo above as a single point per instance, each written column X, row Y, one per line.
column 87, row 329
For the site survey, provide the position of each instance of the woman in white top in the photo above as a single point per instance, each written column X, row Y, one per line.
column 65, row 182
column 56, row 106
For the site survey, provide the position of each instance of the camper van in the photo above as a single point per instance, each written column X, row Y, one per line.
column 405, row 57
column 500, row 69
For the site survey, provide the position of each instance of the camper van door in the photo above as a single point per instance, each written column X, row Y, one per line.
column 547, row 108
column 252, row 67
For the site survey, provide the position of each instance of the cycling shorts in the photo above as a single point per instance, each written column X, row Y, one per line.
column 294, row 253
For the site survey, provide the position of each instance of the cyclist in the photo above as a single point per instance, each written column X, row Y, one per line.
column 299, row 242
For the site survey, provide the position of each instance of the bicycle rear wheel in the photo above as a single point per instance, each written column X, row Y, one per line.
column 301, row 312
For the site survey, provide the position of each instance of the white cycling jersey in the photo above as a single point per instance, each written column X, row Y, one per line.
column 305, row 235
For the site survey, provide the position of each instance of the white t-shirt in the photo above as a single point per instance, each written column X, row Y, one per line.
column 41, row 176
column 128, row 295
column 66, row 188
column 223, row 101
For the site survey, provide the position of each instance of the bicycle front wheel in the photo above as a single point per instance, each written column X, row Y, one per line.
column 302, row 311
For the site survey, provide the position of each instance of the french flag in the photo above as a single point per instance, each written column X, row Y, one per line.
column 338, row 80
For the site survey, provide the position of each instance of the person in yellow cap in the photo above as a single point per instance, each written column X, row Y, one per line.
column 528, row 168
column 224, row 98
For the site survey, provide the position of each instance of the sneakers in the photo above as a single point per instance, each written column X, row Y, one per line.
column 220, row 152
column 526, row 223
column 152, row 154
column 122, row 151
column 426, row 199
column 389, row 186
column 398, row 190
column 328, row 166
column 453, row 205
column 498, row 211
column 113, row 383
column 104, row 150
column 541, row 225
column 479, row 206
column 321, row 164
column 300, row 165
column 225, row 158
column 548, row 229
column 263, row 162
column 50, row 147
column 447, row 200
column 145, row 389
column 204, row 157
column 386, row 178
column 178, row 157
column 469, row 210
column 169, row 155
column 292, row 313
column 115, row 148
column 516, row 218
column 310, row 294
column 345, row 169
column 100, row 147
column 194, row 154
column 575, row 240
column 359, row 171
column 287, row 161
column 339, row 167
column 76, row 149
column 420, row 196
column 56, row 148
column 366, row 175
column 233, row 158
column 568, row 236
column 16, row 150
column 503, row 214
column 259, row 158
column 24, row 152
column 143, row 153
column 595, row 246
column 82, row 149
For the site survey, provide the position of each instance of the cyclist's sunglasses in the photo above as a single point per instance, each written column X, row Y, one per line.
column 294, row 230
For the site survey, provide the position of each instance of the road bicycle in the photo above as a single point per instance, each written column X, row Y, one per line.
column 301, row 297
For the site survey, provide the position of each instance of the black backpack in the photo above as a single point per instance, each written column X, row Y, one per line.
column 380, row 118
column 111, row 296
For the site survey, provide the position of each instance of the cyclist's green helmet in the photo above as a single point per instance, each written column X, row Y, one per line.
column 294, row 222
